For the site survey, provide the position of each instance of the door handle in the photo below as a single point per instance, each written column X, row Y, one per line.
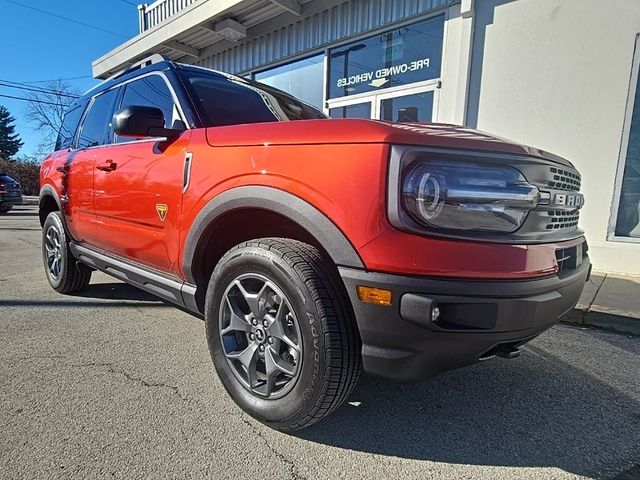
column 108, row 166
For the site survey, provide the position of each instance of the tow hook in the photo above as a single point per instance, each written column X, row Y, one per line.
column 507, row 351
column 502, row 351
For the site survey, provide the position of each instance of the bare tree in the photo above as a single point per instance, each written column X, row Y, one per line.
column 46, row 110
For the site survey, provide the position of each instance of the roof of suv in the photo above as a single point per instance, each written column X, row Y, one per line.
column 154, row 67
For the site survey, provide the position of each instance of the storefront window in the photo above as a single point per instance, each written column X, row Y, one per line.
column 628, row 221
column 398, row 57
column 302, row 79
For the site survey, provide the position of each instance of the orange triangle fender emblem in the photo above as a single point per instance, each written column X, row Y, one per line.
column 162, row 209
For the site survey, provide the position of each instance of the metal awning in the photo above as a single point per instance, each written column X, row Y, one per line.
column 190, row 33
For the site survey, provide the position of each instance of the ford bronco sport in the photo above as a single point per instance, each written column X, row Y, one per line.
column 312, row 247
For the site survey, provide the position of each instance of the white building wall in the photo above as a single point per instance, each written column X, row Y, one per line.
column 552, row 74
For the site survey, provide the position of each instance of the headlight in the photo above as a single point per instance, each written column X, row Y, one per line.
column 460, row 196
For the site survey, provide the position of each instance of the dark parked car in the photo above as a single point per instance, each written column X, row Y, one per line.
column 10, row 194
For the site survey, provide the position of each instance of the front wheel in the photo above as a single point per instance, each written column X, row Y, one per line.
column 6, row 208
column 281, row 333
column 64, row 273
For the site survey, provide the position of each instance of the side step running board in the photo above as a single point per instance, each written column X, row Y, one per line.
column 161, row 285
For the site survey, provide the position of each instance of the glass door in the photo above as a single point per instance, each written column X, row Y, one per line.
column 351, row 110
column 412, row 104
column 413, row 107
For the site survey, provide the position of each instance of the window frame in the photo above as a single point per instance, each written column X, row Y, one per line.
column 624, row 147
column 86, row 112
column 72, row 143
column 118, row 104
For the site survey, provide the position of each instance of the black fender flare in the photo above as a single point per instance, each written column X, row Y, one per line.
column 278, row 201
column 48, row 191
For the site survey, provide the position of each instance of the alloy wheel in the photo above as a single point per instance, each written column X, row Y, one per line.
column 53, row 251
column 260, row 336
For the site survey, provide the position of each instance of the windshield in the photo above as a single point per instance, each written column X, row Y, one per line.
column 228, row 100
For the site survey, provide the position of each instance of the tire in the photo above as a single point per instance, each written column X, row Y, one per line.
column 300, row 296
column 64, row 273
column 6, row 209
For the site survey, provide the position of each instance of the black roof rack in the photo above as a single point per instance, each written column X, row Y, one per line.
column 150, row 60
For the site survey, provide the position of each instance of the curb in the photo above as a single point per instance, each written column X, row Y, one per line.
column 603, row 320
column 29, row 200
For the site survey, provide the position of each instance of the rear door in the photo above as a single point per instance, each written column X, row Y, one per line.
column 77, row 183
column 138, row 183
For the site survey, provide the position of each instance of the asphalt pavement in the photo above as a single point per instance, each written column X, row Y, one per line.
column 113, row 383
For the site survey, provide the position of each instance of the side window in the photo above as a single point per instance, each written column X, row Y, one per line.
column 69, row 127
column 150, row 91
column 96, row 122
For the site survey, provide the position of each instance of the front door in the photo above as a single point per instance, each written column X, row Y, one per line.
column 138, row 198
column 139, row 183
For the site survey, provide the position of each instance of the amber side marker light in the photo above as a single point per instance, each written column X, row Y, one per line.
column 374, row 295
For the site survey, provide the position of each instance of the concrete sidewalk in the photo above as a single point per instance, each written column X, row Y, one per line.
column 609, row 301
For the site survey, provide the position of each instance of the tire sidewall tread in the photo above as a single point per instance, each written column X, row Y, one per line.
column 331, row 366
column 74, row 275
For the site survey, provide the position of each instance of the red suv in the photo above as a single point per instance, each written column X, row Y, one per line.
column 313, row 248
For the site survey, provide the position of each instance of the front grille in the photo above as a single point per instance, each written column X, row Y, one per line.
column 571, row 257
column 562, row 179
column 559, row 219
column 555, row 217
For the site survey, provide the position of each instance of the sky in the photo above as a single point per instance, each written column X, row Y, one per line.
column 37, row 46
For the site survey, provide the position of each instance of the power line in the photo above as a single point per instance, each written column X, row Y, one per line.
column 46, row 12
column 37, row 90
column 130, row 3
column 20, row 86
column 56, row 79
column 31, row 100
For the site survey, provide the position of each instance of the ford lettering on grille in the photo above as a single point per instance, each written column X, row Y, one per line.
column 574, row 200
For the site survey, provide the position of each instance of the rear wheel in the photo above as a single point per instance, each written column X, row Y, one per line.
column 281, row 333
column 64, row 273
column 6, row 208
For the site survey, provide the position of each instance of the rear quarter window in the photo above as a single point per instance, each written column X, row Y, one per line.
column 96, row 126
column 69, row 127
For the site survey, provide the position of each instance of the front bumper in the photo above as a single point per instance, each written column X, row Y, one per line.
column 478, row 319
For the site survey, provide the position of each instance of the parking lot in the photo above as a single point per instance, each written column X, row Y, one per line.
column 115, row 383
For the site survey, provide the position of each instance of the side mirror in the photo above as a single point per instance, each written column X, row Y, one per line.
column 141, row 121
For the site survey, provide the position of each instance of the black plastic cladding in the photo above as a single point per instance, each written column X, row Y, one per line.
column 537, row 171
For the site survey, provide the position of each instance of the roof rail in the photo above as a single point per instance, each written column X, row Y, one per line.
column 150, row 60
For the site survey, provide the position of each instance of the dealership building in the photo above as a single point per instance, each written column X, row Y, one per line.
column 560, row 75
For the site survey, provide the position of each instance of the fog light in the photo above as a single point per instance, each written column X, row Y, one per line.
column 435, row 314
column 374, row 295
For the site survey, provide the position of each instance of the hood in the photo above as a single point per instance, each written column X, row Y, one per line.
column 350, row 131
